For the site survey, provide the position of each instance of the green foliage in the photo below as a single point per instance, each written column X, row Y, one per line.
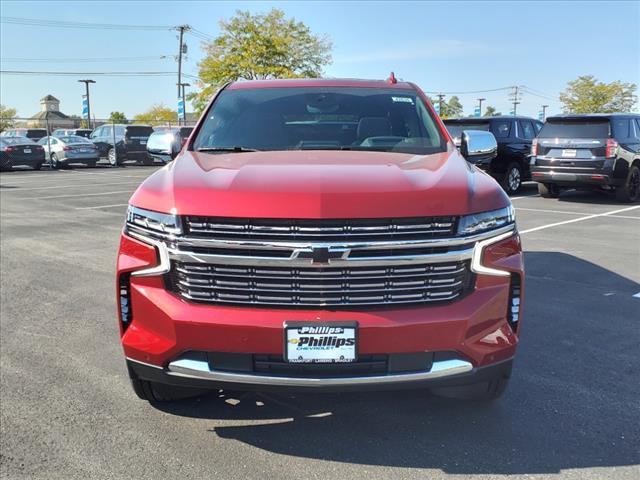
column 490, row 111
column 587, row 95
column 453, row 108
column 7, row 116
column 261, row 46
column 117, row 117
column 158, row 114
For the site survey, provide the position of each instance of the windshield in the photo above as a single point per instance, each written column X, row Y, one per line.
column 575, row 129
column 320, row 118
column 456, row 129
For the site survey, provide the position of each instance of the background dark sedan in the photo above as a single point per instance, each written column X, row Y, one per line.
column 20, row 151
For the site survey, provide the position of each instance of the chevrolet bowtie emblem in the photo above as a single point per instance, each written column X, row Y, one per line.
column 321, row 254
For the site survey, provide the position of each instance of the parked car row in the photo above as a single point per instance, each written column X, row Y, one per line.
column 568, row 151
column 118, row 143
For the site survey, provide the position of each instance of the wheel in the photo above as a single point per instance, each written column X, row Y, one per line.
column 630, row 191
column 37, row 166
column 147, row 160
column 158, row 392
column 113, row 160
column 55, row 163
column 548, row 190
column 482, row 391
column 512, row 179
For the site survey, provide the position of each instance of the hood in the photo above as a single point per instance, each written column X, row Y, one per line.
column 319, row 184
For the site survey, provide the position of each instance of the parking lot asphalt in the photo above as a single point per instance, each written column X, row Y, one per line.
column 67, row 409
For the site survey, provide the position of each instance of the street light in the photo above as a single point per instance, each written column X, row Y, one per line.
column 86, row 84
column 480, row 100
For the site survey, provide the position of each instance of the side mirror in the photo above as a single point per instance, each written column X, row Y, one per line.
column 478, row 145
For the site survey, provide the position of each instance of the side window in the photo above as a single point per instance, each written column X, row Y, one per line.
column 638, row 128
column 97, row 133
column 107, row 132
column 537, row 126
column 621, row 127
column 120, row 131
column 526, row 130
column 501, row 128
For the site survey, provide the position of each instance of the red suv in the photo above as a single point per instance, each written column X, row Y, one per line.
column 320, row 235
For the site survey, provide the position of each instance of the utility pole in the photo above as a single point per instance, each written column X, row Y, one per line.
column 440, row 98
column 181, row 50
column 184, row 103
column 544, row 112
column 86, row 84
column 514, row 97
column 480, row 100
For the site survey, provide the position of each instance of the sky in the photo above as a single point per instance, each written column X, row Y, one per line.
column 442, row 47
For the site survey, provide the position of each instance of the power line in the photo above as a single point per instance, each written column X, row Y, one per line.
column 68, row 74
column 84, row 60
column 41, row 22
column 470, row 91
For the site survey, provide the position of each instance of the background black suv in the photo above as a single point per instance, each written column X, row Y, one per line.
column 130, row 141
column 514, row 136
column 596, row 151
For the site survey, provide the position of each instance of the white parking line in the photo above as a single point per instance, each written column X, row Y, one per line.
column 20, row 189
column 79, row 195
column 573, row 220
column 102, row 206
column 525, row 196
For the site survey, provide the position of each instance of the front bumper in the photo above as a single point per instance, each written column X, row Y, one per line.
column 164, row 329
column 198, row 374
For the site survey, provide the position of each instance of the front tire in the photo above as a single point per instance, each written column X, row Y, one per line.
column 548, row 190
column 630, row 191
column 147, row 160
column 111, row 156
column 483, row 391
column 158, row 392
column 55, row 163
column 512, row 180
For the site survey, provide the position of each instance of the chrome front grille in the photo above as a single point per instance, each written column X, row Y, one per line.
column 321, row 286
column 326, row 230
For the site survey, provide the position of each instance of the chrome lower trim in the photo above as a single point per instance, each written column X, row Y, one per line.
column 199, row 369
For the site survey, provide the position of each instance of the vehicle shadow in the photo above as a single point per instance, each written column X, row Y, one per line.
column 594, row 197
column 572, row 402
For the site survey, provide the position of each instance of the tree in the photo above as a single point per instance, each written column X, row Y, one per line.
column 453, row 108
column 117, row 117
column 158, row 114
column 259, row 46
column 490, row 111
column 7, row 117
column 587, row 95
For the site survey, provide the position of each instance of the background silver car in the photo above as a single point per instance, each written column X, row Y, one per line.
column 70, row 149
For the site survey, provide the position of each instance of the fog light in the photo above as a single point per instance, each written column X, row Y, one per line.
column 124, row 297
column 513, row 313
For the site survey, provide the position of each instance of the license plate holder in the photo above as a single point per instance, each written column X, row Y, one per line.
column 569, row 153
column 27, row 150
column 321, row 342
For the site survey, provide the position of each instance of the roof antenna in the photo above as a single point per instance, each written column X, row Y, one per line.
column 392, row 79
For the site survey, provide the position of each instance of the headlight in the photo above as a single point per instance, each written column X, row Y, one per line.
column 153, row 221
column 481, row 222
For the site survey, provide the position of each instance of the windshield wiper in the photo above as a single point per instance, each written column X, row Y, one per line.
column 227, row 149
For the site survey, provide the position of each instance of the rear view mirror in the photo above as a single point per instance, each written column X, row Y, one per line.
column 477, row 145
